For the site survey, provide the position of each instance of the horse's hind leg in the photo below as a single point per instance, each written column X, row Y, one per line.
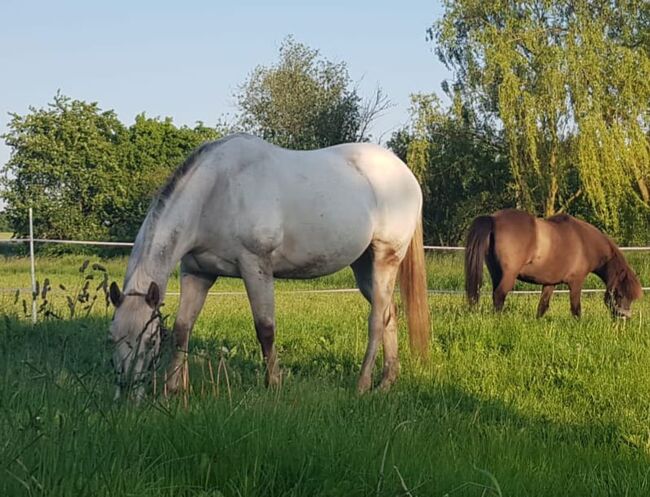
column 363, row 271
column 495, row 269
column 391, row 358
column 506, row 285
column 194, row 289
column 382, row 323
column 544, row 301
column 258, row 279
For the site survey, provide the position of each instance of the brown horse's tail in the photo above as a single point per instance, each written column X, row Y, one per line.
column 413, row 288
column 478, row 242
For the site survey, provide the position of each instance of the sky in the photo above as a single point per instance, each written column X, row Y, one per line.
column 186, row 59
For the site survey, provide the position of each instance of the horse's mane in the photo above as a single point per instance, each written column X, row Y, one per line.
column 181, row 171
column 170, row 185
column 624, row 279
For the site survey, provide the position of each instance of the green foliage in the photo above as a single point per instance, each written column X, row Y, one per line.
column 304, row 101
column 460, row 164
column 66, row 163
column 86, row 175
column 5, row 226
column 569, row 83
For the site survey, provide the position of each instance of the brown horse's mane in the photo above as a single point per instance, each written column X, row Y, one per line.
column 623, row 278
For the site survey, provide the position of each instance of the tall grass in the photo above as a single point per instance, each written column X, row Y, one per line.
column 507, row 405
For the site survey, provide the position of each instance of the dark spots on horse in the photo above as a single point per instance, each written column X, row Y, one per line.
column 315, row 266
column 386, row 257
column 265, row 329
column 173, row 238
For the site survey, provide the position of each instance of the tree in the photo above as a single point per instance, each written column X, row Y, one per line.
column 64, row 162
column 4, row 222
column 569, row 83
column 85, row 174
column 305, row 102
column 461, row 164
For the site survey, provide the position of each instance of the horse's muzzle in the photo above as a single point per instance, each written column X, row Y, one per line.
column 621, row 313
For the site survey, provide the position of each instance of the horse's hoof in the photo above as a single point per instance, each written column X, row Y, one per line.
column 274, row 381
column 363, row 386
column 386, row 383
column 389, row 376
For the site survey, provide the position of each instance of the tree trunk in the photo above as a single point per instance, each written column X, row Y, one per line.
column 643, row 190
column 551, row 196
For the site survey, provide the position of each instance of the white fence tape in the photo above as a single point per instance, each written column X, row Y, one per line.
column 441, row 248
column 445, row 247
column 69, row 242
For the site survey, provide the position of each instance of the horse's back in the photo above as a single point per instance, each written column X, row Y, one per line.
column 315, row 211
column 565, row 249
column 582, row 239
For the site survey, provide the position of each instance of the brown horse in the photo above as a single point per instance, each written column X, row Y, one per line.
column 559, row 249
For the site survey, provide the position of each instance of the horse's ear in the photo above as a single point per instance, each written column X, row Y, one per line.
column 116, row 296
column 153, row 295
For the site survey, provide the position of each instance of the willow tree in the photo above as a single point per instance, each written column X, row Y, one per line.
column 569, row 84
column 461, row 165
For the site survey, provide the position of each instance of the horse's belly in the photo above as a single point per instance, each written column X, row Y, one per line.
column 540, row 273
column 322, row 239
column 314, row 269
column 310, row 259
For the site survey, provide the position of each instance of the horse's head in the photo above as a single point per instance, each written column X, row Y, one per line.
column 625, row 289
column 135, row 334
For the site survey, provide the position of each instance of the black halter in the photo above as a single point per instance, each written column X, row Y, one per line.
column 134, row 293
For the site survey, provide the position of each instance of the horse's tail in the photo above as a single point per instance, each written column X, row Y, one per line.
column 478, row 242
column 413, row 288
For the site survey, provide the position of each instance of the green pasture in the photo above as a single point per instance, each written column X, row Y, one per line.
column 507, row 405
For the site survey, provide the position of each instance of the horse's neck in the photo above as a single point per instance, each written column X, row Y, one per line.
column 612, row 267
column 160, row 244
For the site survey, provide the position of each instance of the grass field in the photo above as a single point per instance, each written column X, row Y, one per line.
column 507, row 405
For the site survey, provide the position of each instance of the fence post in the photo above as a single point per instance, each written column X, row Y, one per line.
column 31, row 256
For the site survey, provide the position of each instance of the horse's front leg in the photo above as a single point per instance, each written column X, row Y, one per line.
column 258, row 278
column 194, row 289
column 575, row 289
column 545, row 300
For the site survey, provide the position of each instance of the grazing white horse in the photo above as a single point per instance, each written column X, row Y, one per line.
column 244, row 208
